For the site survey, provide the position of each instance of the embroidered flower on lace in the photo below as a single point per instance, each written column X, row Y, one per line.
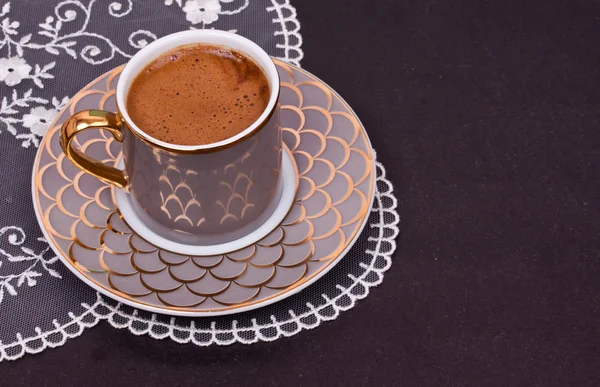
column 39, row 119
column 202, row 11
column 13, row 70
column 205, row 12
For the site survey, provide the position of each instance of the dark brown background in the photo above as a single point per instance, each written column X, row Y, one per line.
column 485, row 114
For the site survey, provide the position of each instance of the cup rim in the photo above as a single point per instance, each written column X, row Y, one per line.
column 152, row 51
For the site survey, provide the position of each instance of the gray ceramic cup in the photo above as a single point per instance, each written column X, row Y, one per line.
column 203, row 194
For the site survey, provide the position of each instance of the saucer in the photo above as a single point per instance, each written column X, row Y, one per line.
column 99, row 238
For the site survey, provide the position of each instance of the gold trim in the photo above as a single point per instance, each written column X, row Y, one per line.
column 78, row 188
column 128, row 295
column 337, row 251
column 304, row 260
column 295, row 134
column 260, row 284
column 348, row 192
column 40, row 186
column 354, row 122
column 137, row 248
column 294, row 283
column 309, row 235
column 230, row 278
column 211, row 294
column 83, row 217
column 358, row 214
column 50, row 133
column 311, row 161
column 300, row 114
column 322, row 139
column 286, row 67
column 300, row 219
column 81, row 95
column 275, row 262
column 78, row 241
column 295, row 89
column 325, row 113
column 106, row 97
column 231, row 305
column 99, row 201
column 110, row 271
column 157, row 290
column 367, row 170
column 325, row 209
column 113, row 75
column 47, row 223
column 331, row 176
column 338, row 224
column 140, row 269
column 207, row 266
column 321, row 86
column 59, row 168
column 189, row 306
column 176, row 278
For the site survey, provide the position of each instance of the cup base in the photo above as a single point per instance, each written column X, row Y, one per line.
column 189, row 244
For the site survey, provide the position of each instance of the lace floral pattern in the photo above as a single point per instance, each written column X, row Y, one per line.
column 55, row 34
column 36, row 121
column 15, row 70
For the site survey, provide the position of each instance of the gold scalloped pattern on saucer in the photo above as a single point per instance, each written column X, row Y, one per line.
column 334, row 163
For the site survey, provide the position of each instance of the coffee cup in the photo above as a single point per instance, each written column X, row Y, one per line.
column 194, row 194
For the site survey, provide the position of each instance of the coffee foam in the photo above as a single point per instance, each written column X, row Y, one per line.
column 198, row 94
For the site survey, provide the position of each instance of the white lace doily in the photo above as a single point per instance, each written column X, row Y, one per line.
column 41, row 303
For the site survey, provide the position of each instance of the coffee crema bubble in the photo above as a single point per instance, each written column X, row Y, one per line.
column 198, row 94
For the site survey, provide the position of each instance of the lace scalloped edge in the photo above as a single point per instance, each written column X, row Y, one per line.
column 289, row 29
column 384, row 248
column 52, row 338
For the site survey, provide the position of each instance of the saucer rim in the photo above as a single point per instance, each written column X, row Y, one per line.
column 174, row 311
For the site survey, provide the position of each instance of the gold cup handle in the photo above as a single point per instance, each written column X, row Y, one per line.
column 93, row 119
